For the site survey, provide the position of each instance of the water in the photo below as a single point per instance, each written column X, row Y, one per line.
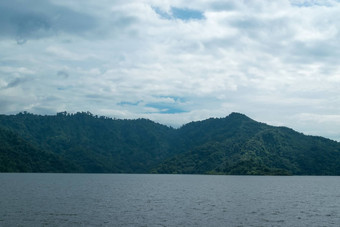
column 167, row 200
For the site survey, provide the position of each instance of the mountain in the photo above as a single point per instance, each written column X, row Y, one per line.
column 239, row 145
column 235, row 144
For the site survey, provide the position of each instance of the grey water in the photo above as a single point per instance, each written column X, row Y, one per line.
column 168, row 200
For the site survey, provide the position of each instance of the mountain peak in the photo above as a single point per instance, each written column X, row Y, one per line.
column 238, row 116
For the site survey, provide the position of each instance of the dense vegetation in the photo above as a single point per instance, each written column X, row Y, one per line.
column 94, row 144
column 17, row 155
column 239, row 145
column 235, row 144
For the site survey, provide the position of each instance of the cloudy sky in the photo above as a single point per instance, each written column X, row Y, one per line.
column 174, row 61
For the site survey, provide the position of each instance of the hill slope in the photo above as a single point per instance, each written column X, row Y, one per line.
column 17, row 155
column 235, row 144
column 94, row 144
column 240, row 145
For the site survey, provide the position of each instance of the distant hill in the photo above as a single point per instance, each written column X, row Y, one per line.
column 94, row 144
column 239, row 145
column 235, row 144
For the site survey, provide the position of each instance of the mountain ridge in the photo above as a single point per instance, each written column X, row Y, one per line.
column 235, row 144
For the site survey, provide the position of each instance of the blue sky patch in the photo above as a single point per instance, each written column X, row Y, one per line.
column 124, row 103
column 311, row 3
column 187, row 14
column 162, row 13
column 165, row 108
column 180, row 13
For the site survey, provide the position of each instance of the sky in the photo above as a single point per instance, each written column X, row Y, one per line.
column 175, row 61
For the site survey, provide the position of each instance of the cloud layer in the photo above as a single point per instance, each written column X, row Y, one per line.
column 174, row 62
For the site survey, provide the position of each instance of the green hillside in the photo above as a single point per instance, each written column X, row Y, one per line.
column 242, row 146
column 17, row 155
column 235, row 144
column 94, row 144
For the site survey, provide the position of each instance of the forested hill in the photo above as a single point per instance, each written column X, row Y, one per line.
column 94, row 144
column 235, row 144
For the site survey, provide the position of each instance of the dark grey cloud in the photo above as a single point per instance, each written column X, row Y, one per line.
column 223, row 6
column 272, row 29
column 24, row 20
column 312, row 52
column 16, row 82
column 247, row 23
column 63, row 74
column 43, row 110
column 5, row 104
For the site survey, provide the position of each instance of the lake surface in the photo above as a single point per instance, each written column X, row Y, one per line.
column 167, row 200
